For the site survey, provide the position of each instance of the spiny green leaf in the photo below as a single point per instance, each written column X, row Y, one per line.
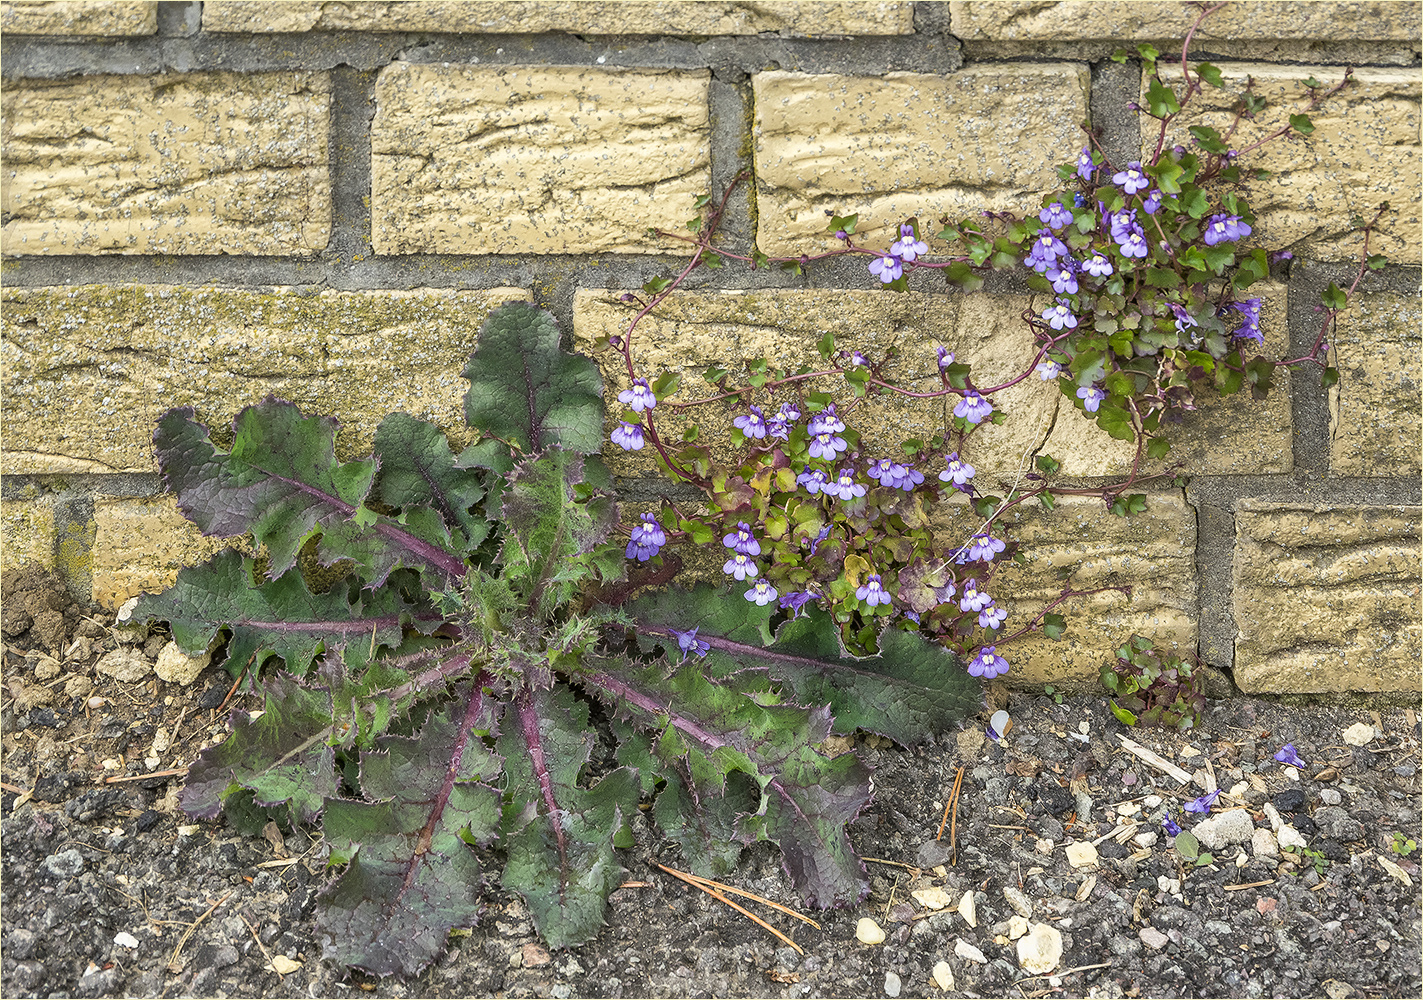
column 524, row 389
column 559, row 836
column 279, row 618
column 412, row 875
column 417, row 469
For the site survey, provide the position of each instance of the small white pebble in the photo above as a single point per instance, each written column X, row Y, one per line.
column 868, row 932
column 943, row 976
column 968, row 909
column 967, row 951
column 1081, row 854
column 891, row 984
column 125, row 939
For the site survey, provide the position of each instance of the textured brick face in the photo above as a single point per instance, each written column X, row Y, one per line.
column 202, row 163
column 1326, row 599
column 79, row 17
column 1030, row 20
column 1375, row 414
column 907, row 144
column 93, row 367
column 522, row 160
column 1152, row 553
column 794, row 18
column 1364, row 151
column 140, row 544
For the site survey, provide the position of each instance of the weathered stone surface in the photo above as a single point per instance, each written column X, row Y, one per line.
column 1326, row 599
column 140, row 545
column 1027, row 20
column 200, row 163
column 468, row 159
column 93, row 366
column 904, row 144
column 693, row 331
column 1364, row 151
column 1374, row 409
column 1153, row 553
column 1227, row 434
column 696, row 18
column 72, row 17
column 27, row 529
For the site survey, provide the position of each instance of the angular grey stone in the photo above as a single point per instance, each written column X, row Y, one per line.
column 1336, row 824
column 1233, row 827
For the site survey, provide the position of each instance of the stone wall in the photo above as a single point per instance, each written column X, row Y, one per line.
column 204, row 203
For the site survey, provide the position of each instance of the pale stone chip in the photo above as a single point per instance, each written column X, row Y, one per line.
column 177, row 667
column 1081, row 855
column 868, row 932
column 943, row 976
column 283, row 966
column 968, row 909
column 1395, row 871
column 125, row 665
column 125, row 939
column 1359, row 734
column 967, row 951
column 934, row 898
column 1040, row 950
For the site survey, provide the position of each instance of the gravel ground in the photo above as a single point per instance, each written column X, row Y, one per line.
column 108, row 891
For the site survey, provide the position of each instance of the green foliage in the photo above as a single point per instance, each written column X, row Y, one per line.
column 1402, row 846
column 1188, row 849
column 429, row 702
column 1152, row 689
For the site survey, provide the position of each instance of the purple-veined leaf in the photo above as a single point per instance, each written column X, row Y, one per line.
column 281, row 617
column 285, row 755
column 411, row 875
column 417, row 469
column 281, row 482
column 560, row 837
column 913, row 688
column 526, row 391
column 715, row 728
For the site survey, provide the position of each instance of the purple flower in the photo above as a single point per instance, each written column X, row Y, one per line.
column 880, row 470
column 753, row 424
column 1202, row 804
column 813, row 480
column 1097, row 266
column 1047, row 248
column 1134, row 246
column 984, row 548
column 778, row 425
column 1169, row 825
column 946, row 357
column 1123, row 223
column 742, row 540
column 958, row 471
column 762, row 593
column 973, row 599
column 887, row 268
column 639, row 397
column 741, row 566
column 910, row 478
column 1224, row 228
column 1059, row 316
column 826, row 422
column 827, row 446
column 988, row 664
column 1055, row 216
column 1131, row 180
column 843, row 486
column 629, row 436
column 1288, row 755
column 795, row 601
column 1152, row 203
column 1084, row 164
column 1249, row 328
column 689, row 643
column 815, row 542
column 647, row 537
column 791, row 414
column 1091, row 398
column 1048, row 369
column 991, row 617
column 907, row 247
column 1064, row 282
column 973, row 408
column 872, row 593
column 858, row 360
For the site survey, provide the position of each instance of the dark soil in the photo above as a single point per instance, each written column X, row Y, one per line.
column 109, row 891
